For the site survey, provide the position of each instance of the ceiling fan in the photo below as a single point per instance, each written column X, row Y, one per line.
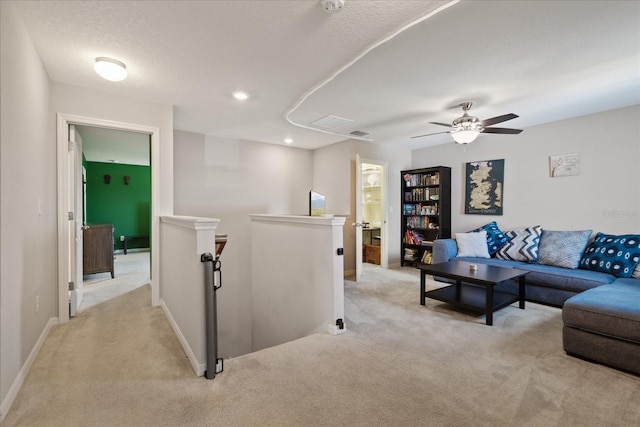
column 465, row 129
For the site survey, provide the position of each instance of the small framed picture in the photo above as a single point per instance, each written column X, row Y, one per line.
column 564, row 165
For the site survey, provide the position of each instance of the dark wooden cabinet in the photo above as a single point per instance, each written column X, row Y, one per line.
column 426, row 212
column 97, row 249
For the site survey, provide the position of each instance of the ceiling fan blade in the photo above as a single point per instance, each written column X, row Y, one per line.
column 498, row 119
column 441, row 124
column 502, row 130
column 429, row 134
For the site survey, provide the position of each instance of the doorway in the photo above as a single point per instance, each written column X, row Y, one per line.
column 117, row 199
column 371, row 214
column 68, row 218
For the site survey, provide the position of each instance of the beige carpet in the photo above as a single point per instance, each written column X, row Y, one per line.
column 400, row 364
column 130, row 272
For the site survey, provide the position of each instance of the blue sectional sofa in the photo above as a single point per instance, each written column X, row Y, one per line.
column 601, row 312
column 545, row 284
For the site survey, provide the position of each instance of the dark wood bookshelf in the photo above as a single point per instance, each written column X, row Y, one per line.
column 426, row 212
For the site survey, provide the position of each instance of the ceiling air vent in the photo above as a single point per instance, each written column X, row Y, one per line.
column 358, row 133
column 333, row 123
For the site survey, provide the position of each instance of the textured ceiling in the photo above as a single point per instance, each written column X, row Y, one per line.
column 541, row 60
column 544, row 61
column 115, row 146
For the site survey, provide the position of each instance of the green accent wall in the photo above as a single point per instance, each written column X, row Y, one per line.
column 127, row 207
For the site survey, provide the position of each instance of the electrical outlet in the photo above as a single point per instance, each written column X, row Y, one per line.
column 122, row 238
column 37, row 303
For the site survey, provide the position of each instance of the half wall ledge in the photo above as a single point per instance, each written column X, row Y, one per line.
column 297, row 283
column 183, row 239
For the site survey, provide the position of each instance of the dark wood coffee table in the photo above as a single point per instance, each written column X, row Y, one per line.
column 473, row 290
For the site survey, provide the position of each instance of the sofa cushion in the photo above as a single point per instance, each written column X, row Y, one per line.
column 577, row 280
column 495, row 237
column 554, row 277
column 563, row 248
column 473, row 244
column 522, row 245
column 618, row 255
column 612, row 310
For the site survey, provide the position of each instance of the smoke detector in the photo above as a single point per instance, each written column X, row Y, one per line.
column 332, row 6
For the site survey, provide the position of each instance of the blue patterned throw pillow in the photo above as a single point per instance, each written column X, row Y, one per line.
column 617, row 255
column 522, row 245
column 495, row 237
column 563, row 248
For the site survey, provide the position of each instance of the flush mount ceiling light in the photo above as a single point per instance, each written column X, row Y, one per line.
column 288, row 141
column 240, row 95
column 110, row 69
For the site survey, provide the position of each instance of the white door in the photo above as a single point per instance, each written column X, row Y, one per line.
column 75, row 208
column 358, row 218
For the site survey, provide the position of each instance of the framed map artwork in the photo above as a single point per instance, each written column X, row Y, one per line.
column 484, row 181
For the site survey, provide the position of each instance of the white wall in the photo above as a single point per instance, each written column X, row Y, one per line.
column 296, row 292
column 604, row 197
column 332, row 176
column 28, row 261
column 230, row 180
column 100, row 105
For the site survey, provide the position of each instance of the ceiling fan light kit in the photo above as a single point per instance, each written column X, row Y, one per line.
column 465, row 136
column 465, row 129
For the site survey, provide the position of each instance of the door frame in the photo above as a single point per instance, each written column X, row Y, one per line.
column 384, row 226
column 64, row 253
column 75, row 186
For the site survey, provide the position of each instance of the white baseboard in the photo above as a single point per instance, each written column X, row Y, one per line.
column 17, row 384
column 335, row 330
column 198, row 368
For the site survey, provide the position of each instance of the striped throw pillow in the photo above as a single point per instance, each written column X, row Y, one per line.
column 522, row 245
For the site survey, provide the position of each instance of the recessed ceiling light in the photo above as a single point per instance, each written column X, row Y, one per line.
column 288, row 140
column 240, row 95
column 110, row 69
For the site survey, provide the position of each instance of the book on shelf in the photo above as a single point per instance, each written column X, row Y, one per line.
column 413, row 238
column 421, row 179
column 422, row 222
column 427, row 258
column 410, row 254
